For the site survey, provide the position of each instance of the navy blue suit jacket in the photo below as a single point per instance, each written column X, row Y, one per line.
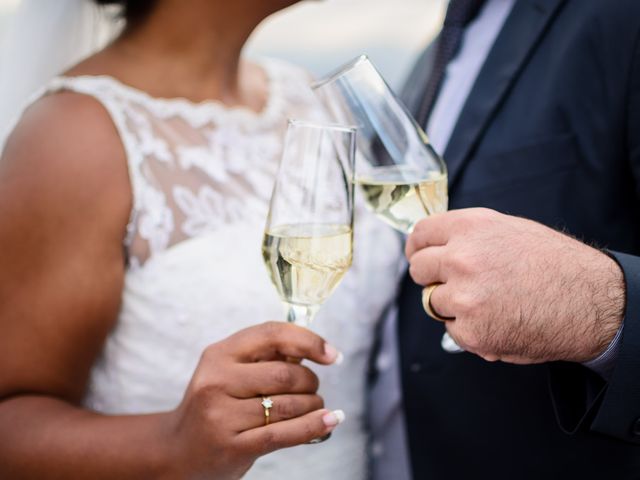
column 551, row 132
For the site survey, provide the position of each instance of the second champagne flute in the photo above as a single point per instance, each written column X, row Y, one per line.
column 402, row 177
column 308, row 240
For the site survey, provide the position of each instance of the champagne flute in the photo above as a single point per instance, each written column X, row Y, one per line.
column 308, row 240
column 401, row 176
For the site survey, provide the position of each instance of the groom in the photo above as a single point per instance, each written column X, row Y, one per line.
column 536, row 107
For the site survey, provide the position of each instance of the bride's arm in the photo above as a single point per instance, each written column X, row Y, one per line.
column 64, row 204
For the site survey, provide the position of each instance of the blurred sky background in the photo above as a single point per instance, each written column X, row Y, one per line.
column 322, row 35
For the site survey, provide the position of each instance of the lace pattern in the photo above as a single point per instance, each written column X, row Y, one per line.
column 201, row 177
column 195, row 166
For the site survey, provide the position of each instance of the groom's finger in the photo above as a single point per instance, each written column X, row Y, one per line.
column 439, row 229
column 430, row 232
column 426, row 266
column 441, row 301
column 277, row 340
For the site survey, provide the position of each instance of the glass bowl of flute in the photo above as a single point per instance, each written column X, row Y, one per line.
column 400, row 175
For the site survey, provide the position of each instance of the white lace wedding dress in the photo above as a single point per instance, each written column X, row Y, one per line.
column 202, row 176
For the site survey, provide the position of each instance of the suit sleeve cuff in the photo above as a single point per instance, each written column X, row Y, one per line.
column 607, row 404
column 604, row 364
column 618, row 414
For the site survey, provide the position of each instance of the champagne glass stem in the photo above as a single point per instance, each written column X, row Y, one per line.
column 449, row 345
column 301, row 315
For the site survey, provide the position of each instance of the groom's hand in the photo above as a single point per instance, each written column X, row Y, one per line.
column 520, row 292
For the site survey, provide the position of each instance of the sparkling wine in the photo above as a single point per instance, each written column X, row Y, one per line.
column 402, row 196
column 307, row 262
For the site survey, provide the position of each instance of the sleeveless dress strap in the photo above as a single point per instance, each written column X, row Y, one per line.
column 115, row 107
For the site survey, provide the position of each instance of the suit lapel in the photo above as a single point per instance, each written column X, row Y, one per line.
column 515, row 44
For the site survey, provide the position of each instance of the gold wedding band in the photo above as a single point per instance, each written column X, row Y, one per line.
column 267, row 404
column 426, row 303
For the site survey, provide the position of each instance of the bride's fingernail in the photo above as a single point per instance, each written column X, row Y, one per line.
column 334, row 418
column 332, row 354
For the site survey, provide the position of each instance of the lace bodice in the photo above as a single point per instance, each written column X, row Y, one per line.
column 201, row 177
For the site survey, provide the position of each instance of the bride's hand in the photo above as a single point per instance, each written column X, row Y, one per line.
column 219, row 429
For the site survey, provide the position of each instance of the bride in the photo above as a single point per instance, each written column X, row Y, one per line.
column 133, row 196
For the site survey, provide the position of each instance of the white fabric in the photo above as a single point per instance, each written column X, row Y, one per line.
column 202, row 176
column 44, row 38
column 390, row 443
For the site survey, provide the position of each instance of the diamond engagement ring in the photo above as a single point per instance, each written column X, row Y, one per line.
column 267, row 404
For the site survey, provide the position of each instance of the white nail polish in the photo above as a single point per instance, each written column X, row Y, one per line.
column 339, row 359
column 333, row 419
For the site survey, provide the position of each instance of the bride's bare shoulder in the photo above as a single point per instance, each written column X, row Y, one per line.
column 65, row 124
column 66, row 149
